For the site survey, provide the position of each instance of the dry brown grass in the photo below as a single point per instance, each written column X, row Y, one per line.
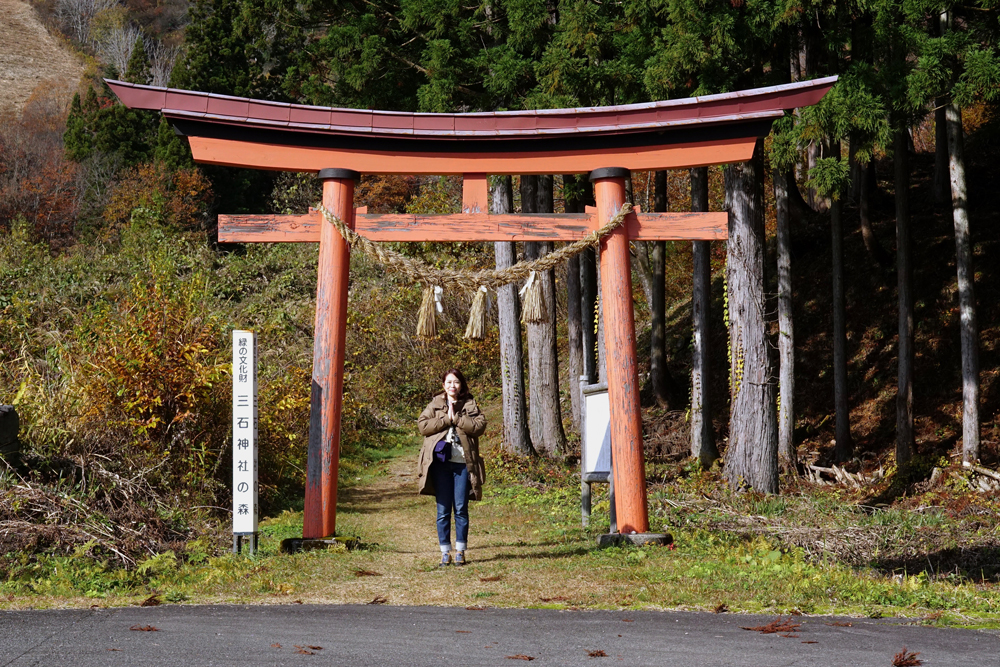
column 31, row 58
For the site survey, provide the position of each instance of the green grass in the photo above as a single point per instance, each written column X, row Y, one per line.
column 529, row 550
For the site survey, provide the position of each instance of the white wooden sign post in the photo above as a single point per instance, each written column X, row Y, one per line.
column 244, row 440
column 595, row 447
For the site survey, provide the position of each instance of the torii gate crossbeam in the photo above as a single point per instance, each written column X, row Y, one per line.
column 340, row 144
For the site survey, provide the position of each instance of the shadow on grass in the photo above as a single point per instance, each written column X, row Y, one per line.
column 978, row 564
column 364, row 500
column 534, row 555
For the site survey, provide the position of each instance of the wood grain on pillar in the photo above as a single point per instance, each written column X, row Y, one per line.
column 320, row 516
column 623, row 377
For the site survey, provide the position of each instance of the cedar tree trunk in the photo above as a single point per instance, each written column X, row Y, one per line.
column 516, row 437
column 573, row 204
column 786, row 328
column 702, row 435
column 966, row 281
column 904, row 270
column 844, row 448
column 752, row 455
column 543, row 362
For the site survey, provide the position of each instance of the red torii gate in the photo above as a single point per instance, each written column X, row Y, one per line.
column 341, row 144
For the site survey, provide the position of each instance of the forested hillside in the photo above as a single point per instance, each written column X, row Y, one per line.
column 876, row 212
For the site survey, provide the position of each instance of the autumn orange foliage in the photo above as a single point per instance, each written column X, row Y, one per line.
column 177, row 199
column 157, row 378
column 385, row 193
column 36, row 180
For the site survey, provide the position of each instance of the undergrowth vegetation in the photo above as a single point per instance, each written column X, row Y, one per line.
column 115, row 353
column 730, row 552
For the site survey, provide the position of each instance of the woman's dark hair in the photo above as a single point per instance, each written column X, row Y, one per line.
column 463, row 391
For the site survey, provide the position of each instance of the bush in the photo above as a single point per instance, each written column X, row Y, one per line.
column 155, row 395
column 36, row 181
column 177, row 199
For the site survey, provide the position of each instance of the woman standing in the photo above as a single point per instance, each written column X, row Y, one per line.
column 451, row 468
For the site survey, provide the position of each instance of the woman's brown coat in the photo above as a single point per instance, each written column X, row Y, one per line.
column 434, row 424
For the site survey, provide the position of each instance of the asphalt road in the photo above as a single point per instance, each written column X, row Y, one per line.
column 403, row 636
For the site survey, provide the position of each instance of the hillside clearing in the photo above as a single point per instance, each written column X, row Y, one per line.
column 31, row 58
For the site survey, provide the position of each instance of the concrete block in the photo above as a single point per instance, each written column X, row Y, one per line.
column 10, row 424
column 297, row 544
column 637, row 539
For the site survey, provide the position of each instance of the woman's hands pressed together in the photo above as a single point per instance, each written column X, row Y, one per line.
column 452, row 389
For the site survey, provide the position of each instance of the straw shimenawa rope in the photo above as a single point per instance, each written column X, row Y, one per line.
column 435, row 279
column 468, row 281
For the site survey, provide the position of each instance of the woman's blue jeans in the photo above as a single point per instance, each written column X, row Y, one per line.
column 451, row 487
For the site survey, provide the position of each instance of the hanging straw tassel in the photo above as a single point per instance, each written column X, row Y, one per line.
column 533, row 301
column 476, row 328
column 426, row 320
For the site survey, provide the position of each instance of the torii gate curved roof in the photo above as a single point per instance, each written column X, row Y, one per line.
column 698, row 131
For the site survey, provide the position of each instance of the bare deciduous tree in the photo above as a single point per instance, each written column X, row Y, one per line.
column 75, row 16
column 161, row 61
column 116, row 46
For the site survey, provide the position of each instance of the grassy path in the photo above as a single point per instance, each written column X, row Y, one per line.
column 517, row 558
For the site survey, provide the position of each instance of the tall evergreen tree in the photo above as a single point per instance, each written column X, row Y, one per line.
column 241, row 48
column 958, row 66
column 101, row 124
column 138, row 70
column 707, row 49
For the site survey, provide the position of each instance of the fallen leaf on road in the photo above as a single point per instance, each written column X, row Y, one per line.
column 810, row 642
column 776, row 626
column 464, row 631
column 314, row 648
column 721, row 609
column 303, row 651
column 627, row 620
column 275, row 645
column 144, row 628
column 378, row 599
column 367, row 573
column 519, row 656
column 597, row 654
column 475, row 608
column 841, row 624
column 114, row 649
column 496, row 578
column 904, row 659
column 152, row 601
column 789, row 635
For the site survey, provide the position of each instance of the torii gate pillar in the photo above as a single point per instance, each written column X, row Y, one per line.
column 623, row 378
column 330, row 339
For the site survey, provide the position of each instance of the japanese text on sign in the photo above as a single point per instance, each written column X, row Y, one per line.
column 244, row 432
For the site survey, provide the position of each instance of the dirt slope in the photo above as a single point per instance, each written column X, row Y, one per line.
column 30, row 57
